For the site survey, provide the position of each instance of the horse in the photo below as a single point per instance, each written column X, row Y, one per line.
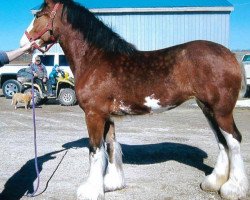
column 113, row 78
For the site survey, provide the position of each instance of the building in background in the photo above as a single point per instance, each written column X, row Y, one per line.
column 151, row 25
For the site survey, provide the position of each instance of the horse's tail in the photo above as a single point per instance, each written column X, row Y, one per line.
column 243, row 82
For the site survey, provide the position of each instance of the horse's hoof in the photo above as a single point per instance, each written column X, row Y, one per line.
column 114, row 179
column 213, row 183
column 233, row 190
column 89, row 191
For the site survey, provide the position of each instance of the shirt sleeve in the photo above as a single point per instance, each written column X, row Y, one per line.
column 3, row 58
column 33, row 68
column 29, row 69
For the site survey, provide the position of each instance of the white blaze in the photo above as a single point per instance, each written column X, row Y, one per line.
column 24, row 40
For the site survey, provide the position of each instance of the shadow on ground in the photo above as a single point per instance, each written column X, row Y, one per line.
column 22, row 181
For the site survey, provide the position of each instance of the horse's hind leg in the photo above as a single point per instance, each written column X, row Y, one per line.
column 220, row 174
column 93, row 188
column 114, row 178
column 237, row 185
column 229, row 173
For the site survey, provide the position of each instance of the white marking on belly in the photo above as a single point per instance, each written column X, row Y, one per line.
column 120, row 108
column 154, row 104
column 125, row 108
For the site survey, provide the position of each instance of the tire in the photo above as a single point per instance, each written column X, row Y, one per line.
column 247, row 94
column 67, row 97
column 37, row 98
column 10, row 87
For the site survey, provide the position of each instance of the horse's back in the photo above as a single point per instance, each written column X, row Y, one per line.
column 200, row 65
column 203, row 54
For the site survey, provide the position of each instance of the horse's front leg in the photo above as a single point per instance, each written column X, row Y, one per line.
column 114, row 177
column 93, row 188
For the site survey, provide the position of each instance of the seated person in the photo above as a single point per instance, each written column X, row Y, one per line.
column 54, row 74
column 39, row 71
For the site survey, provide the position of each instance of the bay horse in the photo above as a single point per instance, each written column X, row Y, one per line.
column 113, row 78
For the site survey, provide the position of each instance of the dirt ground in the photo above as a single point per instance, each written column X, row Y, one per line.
column 166, row 156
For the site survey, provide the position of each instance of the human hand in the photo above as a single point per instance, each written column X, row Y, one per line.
column 28, row 46
column 35, row 74
column 44, row 80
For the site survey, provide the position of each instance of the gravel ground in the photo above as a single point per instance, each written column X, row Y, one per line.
column 166, row 155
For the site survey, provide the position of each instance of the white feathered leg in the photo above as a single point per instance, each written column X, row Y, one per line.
column 219, row 176
column 237, row 185
column 114, row 178
column 93, row 188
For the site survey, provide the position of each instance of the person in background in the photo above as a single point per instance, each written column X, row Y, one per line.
column 39, row 71
column 55, row 73
column 53, row 76
column 6, row 57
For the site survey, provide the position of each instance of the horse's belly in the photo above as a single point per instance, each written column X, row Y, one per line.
column 150, row 105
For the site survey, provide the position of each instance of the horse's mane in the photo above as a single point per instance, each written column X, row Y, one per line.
column 94, row 30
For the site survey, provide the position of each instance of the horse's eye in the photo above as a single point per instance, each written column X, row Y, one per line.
column 39, row 14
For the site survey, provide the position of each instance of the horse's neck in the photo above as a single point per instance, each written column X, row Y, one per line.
column 79, row 53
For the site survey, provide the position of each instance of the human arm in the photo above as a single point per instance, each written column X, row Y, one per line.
column 45, row 74
column 18, row 52
column 33, row 70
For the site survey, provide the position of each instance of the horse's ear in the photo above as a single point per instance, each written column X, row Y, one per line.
column 50, row 3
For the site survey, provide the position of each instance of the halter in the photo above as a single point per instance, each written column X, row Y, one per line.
column 49, row 27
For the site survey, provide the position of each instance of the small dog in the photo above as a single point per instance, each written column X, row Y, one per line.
column 22, row 98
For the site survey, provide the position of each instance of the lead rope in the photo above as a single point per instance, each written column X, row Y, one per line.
column 35, row 144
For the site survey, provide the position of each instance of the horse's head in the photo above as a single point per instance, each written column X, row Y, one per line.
column 42, row 28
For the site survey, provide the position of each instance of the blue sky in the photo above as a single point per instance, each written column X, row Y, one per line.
column 15, row 16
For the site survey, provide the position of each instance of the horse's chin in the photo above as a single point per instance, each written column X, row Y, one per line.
column 31, row 51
